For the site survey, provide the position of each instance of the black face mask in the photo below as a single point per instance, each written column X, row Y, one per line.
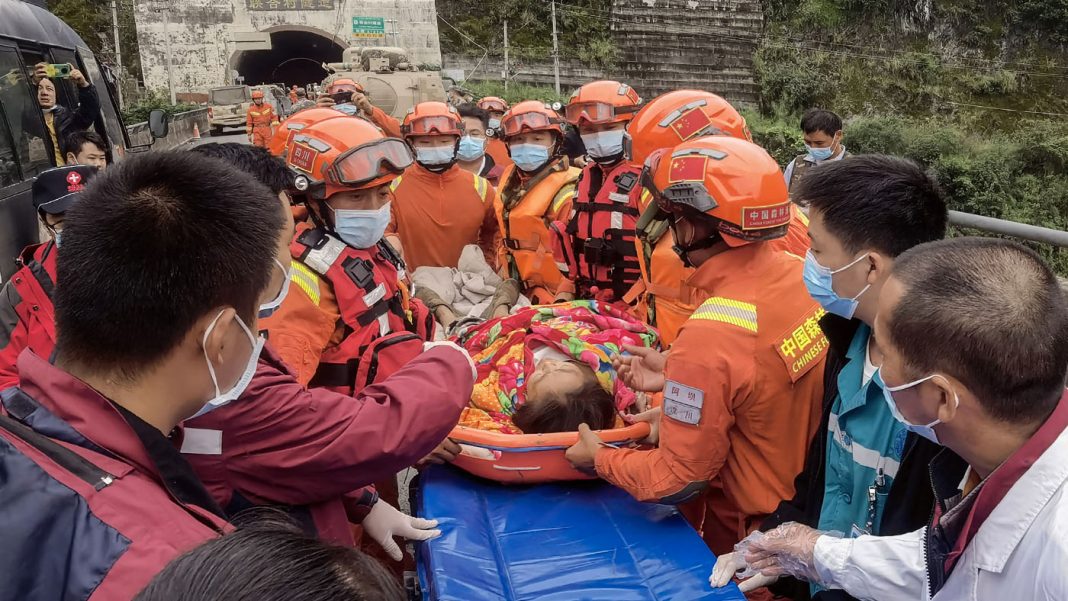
column 684, row 251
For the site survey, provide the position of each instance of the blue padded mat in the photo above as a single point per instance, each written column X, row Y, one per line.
column 556, row 542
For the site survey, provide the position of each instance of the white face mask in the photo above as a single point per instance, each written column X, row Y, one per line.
column 362, row 228
column 435, row 157
column 223, row 398
column 604, row 144
column 267, row 309
column 925, row 430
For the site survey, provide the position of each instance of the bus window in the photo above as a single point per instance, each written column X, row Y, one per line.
column 108, row 123
column 9, row 167
column 22, row 119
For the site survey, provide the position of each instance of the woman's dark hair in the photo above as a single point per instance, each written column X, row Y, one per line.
column 589, row 404
column 272, row 562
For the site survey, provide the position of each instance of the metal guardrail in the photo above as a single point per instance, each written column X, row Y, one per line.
column 1023, row 231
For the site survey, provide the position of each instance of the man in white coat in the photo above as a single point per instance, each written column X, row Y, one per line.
column 975, row 336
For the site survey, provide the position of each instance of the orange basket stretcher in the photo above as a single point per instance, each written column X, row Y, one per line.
column 586, row 330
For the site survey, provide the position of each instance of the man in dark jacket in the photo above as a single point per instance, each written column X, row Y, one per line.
column 60, row 121
column 162, row 274
column 864, row 472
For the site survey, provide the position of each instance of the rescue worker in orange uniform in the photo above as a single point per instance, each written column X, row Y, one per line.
column 496, row 108
column 283, row 135
column 664, row 298
column 743, row 383
column 347, row 281
column 597, row 244
column 536, row 190
column 344, row 91
column 260, row 120
column 439, row 208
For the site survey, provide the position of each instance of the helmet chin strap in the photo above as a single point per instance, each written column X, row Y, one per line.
column 684, row 250
column 609, row 160
column 321, row 215
column 442, row 168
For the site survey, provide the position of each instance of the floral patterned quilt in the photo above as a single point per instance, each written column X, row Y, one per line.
column 502, row 349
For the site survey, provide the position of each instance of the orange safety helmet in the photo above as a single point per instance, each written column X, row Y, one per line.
column 492, row 103
column 283, row 134
column 257, row 94
column 347, row 153
column 734, row 182
column 530, row 115
column 602, row 102
column 432, row 119
column 677, row 117
column 344, row 85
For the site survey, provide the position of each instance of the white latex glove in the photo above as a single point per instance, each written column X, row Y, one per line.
column 386, row 521
column 730, row 564
column 789, row 549
column 448, row 343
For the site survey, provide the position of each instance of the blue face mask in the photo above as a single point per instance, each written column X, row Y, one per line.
column 820, row 283
column 471, row 149
column 529, row 157
column 819, row 154
column 435, row 157
column 494, row 123
column 57, row 238
column 604, row 145
column 361, row 228
column 926, row 431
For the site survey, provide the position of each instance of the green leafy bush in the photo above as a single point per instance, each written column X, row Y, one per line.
column 517, row 92
column 138, row 111
column 1020, row 175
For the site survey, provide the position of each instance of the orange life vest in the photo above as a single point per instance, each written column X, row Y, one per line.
column 524, row 211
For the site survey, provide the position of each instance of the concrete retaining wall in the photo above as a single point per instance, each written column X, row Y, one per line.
column 572, row 73
column 663, row 45
column 181, row 130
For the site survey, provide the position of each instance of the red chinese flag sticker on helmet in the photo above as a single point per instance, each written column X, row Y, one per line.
column 757, row 218
column 687, row 169
column 303, row 158
column 690, row 123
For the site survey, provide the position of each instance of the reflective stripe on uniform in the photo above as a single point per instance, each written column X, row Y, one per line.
column 861, row 455
column 396, row 183
column 566, row 193
column 725, row 310
column 481, row 185
column 306, row 280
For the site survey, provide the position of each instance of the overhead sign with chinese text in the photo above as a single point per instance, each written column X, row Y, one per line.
column 290, row 4
column 368, row 27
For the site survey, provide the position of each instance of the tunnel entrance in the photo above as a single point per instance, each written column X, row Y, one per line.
column 294, row 58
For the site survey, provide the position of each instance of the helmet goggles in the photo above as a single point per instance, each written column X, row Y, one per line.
column 368, row 162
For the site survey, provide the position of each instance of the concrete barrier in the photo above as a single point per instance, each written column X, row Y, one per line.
column 180, row 132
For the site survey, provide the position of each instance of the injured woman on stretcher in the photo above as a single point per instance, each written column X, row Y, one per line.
column 543, row 368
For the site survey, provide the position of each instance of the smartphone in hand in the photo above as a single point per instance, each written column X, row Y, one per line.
column 58, row 71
